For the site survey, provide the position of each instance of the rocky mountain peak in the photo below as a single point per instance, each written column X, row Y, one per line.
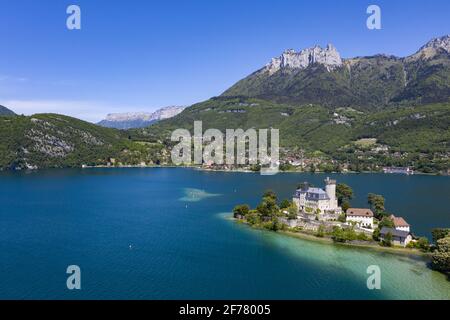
column 290, row 59
column 434, row 47
column 130, row 120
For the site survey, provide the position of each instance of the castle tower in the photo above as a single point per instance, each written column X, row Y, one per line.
column 330, row 189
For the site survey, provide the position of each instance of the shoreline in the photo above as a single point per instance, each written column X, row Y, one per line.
column 329, row 241
column 218, row 170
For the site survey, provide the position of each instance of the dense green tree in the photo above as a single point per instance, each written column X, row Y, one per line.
column 440, row 259
column 350, row 234
column 439, row 233
column 376, row 202
column 345, row 205
column 268, row 207
column 386, row 222
column 343, row 193
column 273, row 225
column 253, row 218
column 320, row 231
column 292, row 212
column 285, row 204
column 387, row 241
column 362, row 236
column 423, row 244
column 241, row 210
column 338, row 234
column 270, row 194
column 376, row 234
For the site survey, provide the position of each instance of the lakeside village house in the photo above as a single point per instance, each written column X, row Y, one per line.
column 401, row 233
column 317, row 206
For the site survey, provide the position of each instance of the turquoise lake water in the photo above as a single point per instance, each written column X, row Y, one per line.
column 166, row 234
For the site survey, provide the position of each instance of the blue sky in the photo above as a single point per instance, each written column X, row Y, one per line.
column 139, row 55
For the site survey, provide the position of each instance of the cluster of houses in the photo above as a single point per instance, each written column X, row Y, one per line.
column 400, row 234
column 319, row 204
column 399, row 170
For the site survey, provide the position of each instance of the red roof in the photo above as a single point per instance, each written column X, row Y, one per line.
column 358, row 212
column 399, row 221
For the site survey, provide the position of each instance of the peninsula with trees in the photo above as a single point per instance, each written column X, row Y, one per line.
column 327, row 215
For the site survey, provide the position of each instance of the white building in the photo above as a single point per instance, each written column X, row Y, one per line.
column 398, row 237
column 362, row 217
column 400, row 224
column 311, row 200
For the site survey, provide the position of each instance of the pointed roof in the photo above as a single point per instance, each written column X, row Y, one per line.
column 399, row 221
column 359, row 212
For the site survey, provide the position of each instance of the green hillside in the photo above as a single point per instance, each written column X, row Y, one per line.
column 51, row 140
column 409, row 133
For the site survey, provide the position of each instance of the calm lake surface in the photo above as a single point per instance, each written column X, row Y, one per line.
column 166, row 234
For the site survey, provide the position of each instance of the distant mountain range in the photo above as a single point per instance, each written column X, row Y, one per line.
column 6, row 112
column 132, row 120
column 321, row 76
column 325, row 107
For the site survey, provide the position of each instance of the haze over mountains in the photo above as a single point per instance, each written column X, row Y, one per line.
column 5, row 111
column 131, row 120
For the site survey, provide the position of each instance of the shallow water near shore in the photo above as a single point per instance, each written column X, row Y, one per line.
column 164, row 233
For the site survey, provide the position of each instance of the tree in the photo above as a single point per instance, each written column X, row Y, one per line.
column 387, row 241
column 270, row 194
column 423, row 244
column 386, row 222
column 273, row 225
column 320, row 231
column 292, row 212
column 241, row 210
column 345, row 205
column 253, row 218
column 285, row 204
column 342, row 218
column 350, row 234
column 376, row 234
column 362, row 237
column 343, row 193
column 376, row 202
column 440, row 260
column 268, row 207
column 439, row 233
column 338, row 234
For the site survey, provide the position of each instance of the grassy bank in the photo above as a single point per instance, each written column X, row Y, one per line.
column 328, row 240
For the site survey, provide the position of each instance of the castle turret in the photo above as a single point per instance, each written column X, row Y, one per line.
column 330, row 189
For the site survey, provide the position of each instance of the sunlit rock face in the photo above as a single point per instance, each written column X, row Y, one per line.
column 433, row 48
column 290, row 59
